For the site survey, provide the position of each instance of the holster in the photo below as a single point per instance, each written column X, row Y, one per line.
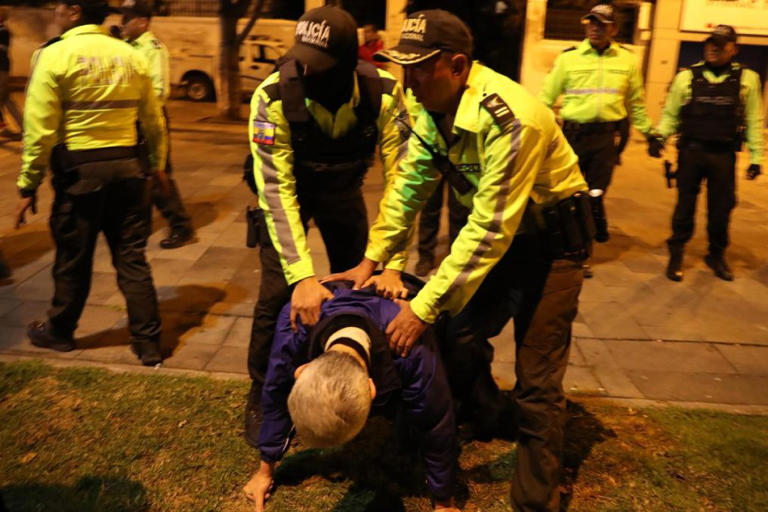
column 565, row 229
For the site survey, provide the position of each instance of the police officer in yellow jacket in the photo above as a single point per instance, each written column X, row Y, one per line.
column 519, row 255
column 713, row 107
column 314, row 128
column 135, row 29
column 598, row 79
column 86, row 92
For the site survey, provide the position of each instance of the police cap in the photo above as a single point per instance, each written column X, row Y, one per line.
column 325, row 37
column 721, row 35
column 427, row 33
column 136, row 9
column 602, row 13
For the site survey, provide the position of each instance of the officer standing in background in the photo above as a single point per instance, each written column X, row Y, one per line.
column 5, row 67
column 314, row 128
column 712, row 106
column 598, row 79
column 135, row 29
column 519, row 255
column 86, row 92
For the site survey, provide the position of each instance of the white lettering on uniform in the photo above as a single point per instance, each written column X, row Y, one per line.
column 312, row 32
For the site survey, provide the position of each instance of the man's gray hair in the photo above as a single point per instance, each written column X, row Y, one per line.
column 330, row 401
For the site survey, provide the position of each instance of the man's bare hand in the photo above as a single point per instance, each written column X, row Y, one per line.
column 306, row 300
column 162, row 182
column 24, row 204
column 388, row 284
column 261, row 486
column 358, row 275
column 404, row 329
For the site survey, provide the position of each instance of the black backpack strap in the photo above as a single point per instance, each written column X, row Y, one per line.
column 292, row 93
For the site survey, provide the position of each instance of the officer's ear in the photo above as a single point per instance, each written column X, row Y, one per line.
column 459, row 65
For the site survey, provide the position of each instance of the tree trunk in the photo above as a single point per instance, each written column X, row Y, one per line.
column 228, row 95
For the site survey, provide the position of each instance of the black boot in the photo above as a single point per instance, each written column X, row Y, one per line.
column 5, row 269
column 42, row 335
column 717, row 263
column 675, row 265
column 598, row 214
column 177, row 238
column 148, row 352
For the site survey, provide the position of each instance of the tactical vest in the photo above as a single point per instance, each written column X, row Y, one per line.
column 320, row 163
column 715, row 114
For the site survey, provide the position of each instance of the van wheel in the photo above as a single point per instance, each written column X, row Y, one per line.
column 199, row 88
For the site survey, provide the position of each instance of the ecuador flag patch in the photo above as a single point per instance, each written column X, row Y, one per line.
column 263, row 133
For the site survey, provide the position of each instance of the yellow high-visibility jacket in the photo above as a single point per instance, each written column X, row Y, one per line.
column 511, row 149
column 273, row 164
column 158, row 59
column 597, row 87
column 87, row 90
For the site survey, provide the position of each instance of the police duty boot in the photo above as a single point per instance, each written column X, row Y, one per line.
column 719, row 266
column 177, row 238
column 41, row 335
column 148, row 352
column 675, row 266
column 598, row 215
column 424, row 265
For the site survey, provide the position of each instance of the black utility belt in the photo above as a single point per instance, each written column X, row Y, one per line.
column 564, row 230
column 86, row 156
column 709, row 146
column 596, row 127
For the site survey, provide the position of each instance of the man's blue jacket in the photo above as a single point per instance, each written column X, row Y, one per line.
column 415, row 384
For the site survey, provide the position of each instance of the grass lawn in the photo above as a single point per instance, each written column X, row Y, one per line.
column 90, row 440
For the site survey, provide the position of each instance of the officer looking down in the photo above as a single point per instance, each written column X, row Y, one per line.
column 713, row 107
column 86, row 92
column 519, row 255
column 599, row 80
column 314, row 127
column 324, row 381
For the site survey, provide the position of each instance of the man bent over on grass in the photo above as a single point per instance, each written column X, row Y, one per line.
column 325, row 382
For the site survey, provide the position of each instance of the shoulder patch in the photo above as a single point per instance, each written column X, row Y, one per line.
column 156, row 44
column 499, row 110
column 569, row 49
column 263, row 133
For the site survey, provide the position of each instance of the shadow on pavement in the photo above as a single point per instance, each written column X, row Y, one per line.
column 202, row 214
column 25, row 246
column 619, row 243
column 582, row 432
column 179, row 314
column 89, row 494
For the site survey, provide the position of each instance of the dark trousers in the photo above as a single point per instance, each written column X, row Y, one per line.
column 542, row 297
column 718, row 169
column 429, row 222
column 7, row 102
column 171, row 205
column 343, row 224
column 121, row 210
column 597, row 154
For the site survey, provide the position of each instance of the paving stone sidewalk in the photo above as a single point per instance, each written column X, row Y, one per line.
column 637, row 336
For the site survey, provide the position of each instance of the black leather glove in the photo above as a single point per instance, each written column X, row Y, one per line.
column 753, row 171
column 655, row 146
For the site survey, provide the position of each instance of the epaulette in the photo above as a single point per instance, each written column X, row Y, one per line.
column 570, row 49
column 50, row 42
column 630, row 50
column 499, row 110
column 388, row 85
column 273, row 91
column 156, row 44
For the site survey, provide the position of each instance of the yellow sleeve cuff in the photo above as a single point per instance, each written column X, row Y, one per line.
column 295, row 272
column 424, row 311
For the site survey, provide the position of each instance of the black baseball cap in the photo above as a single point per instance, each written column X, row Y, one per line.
column 427, row 33
column 325, row 37
column 602, row 13
column 721, row 35
column 136, row 9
